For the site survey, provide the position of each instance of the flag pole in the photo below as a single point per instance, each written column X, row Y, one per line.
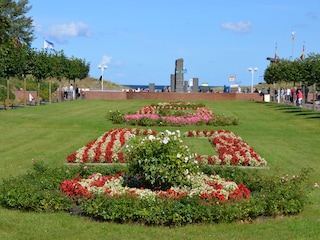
column 302, row 54
column 292, row 38
column 276, row 53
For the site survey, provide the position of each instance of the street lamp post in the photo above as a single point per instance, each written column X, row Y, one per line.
column 252, row 70
column 102, row 67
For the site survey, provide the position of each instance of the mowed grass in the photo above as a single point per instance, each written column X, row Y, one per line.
column 287, row 137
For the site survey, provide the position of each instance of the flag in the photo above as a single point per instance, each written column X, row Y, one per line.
column 302, row 54
column 292, row 36
column 48, row 45
column 276, row 54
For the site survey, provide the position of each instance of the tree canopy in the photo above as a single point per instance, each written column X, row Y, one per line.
column 18, row 59
column 305, row 70
column 14, row 21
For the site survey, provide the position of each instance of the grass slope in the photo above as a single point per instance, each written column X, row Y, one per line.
column 287, row 137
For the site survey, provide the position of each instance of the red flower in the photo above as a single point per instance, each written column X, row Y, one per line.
column 241, row 192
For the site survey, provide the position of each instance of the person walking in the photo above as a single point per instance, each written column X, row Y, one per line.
column 77, row 92
column 288, row 95
column 282, row 95
column 65, row 92
column 71, row 91
column 299, row 97
column 294, row 95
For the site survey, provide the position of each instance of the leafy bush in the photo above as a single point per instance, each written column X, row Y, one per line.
column 277, row 194
column 116, row 117
column 3, row 94
column 167, row 112
column 162, row 161
column 39, row 190
column 223, row 121
column 36, row 191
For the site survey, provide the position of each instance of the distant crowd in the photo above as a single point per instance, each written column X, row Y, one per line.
column 293, row 96
column 69, row 93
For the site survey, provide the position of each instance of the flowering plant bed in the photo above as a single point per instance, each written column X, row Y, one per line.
column 232, row 150
column 210, row 188
column 106, row 148
column 172, row 114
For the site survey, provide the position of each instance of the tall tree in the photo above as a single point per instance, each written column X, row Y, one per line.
column 16, row 23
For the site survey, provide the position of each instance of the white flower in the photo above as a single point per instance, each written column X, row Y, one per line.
column 178, row 155
column 168, row 132
column 178, row 132
column 186, row 159
column 166, row 140
column 151, row 137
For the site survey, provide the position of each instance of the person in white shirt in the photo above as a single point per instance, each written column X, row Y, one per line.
column 71, row 91
column 65, row 92
column 288, row 95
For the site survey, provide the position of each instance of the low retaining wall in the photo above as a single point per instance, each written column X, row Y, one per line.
column 171, row 96
column 194, row 96
column 109, row 95
column 25, row 95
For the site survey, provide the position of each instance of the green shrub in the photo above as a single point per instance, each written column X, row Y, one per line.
column 223, row 121
column 162, row 211
column 39, row 190
column 116, row 117
column 162, row 161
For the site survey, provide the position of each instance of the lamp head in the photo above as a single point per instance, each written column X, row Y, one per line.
column 102, row 66
column 250, row 69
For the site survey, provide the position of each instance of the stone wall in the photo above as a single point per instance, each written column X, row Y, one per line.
column 110, row 95
column 175, row 96
column 172, row 96
column 25, row 95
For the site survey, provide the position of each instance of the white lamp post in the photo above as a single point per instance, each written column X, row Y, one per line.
column 102, row 67
column 252, row 70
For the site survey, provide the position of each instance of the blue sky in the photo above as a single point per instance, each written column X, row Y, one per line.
column 140, row 40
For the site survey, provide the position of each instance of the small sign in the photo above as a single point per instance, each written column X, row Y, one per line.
column 232, row 78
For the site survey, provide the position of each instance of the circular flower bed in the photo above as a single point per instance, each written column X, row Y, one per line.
column 160, row 168
column 205, row 187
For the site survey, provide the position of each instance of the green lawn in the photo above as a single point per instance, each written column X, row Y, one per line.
column 287, row 137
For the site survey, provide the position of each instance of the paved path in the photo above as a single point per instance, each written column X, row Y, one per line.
column 310, row 106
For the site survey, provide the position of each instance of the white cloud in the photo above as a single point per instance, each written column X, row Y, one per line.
column 241, row 27
column 59, row 32
column 105, row 60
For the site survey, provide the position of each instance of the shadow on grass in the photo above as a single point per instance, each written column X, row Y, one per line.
column 308, row 113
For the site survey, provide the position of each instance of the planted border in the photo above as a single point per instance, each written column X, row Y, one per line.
column 232, row 150
column 172, row 114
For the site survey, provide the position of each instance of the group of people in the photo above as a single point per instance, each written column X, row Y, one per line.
column 294, row 95
column 70, row 94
